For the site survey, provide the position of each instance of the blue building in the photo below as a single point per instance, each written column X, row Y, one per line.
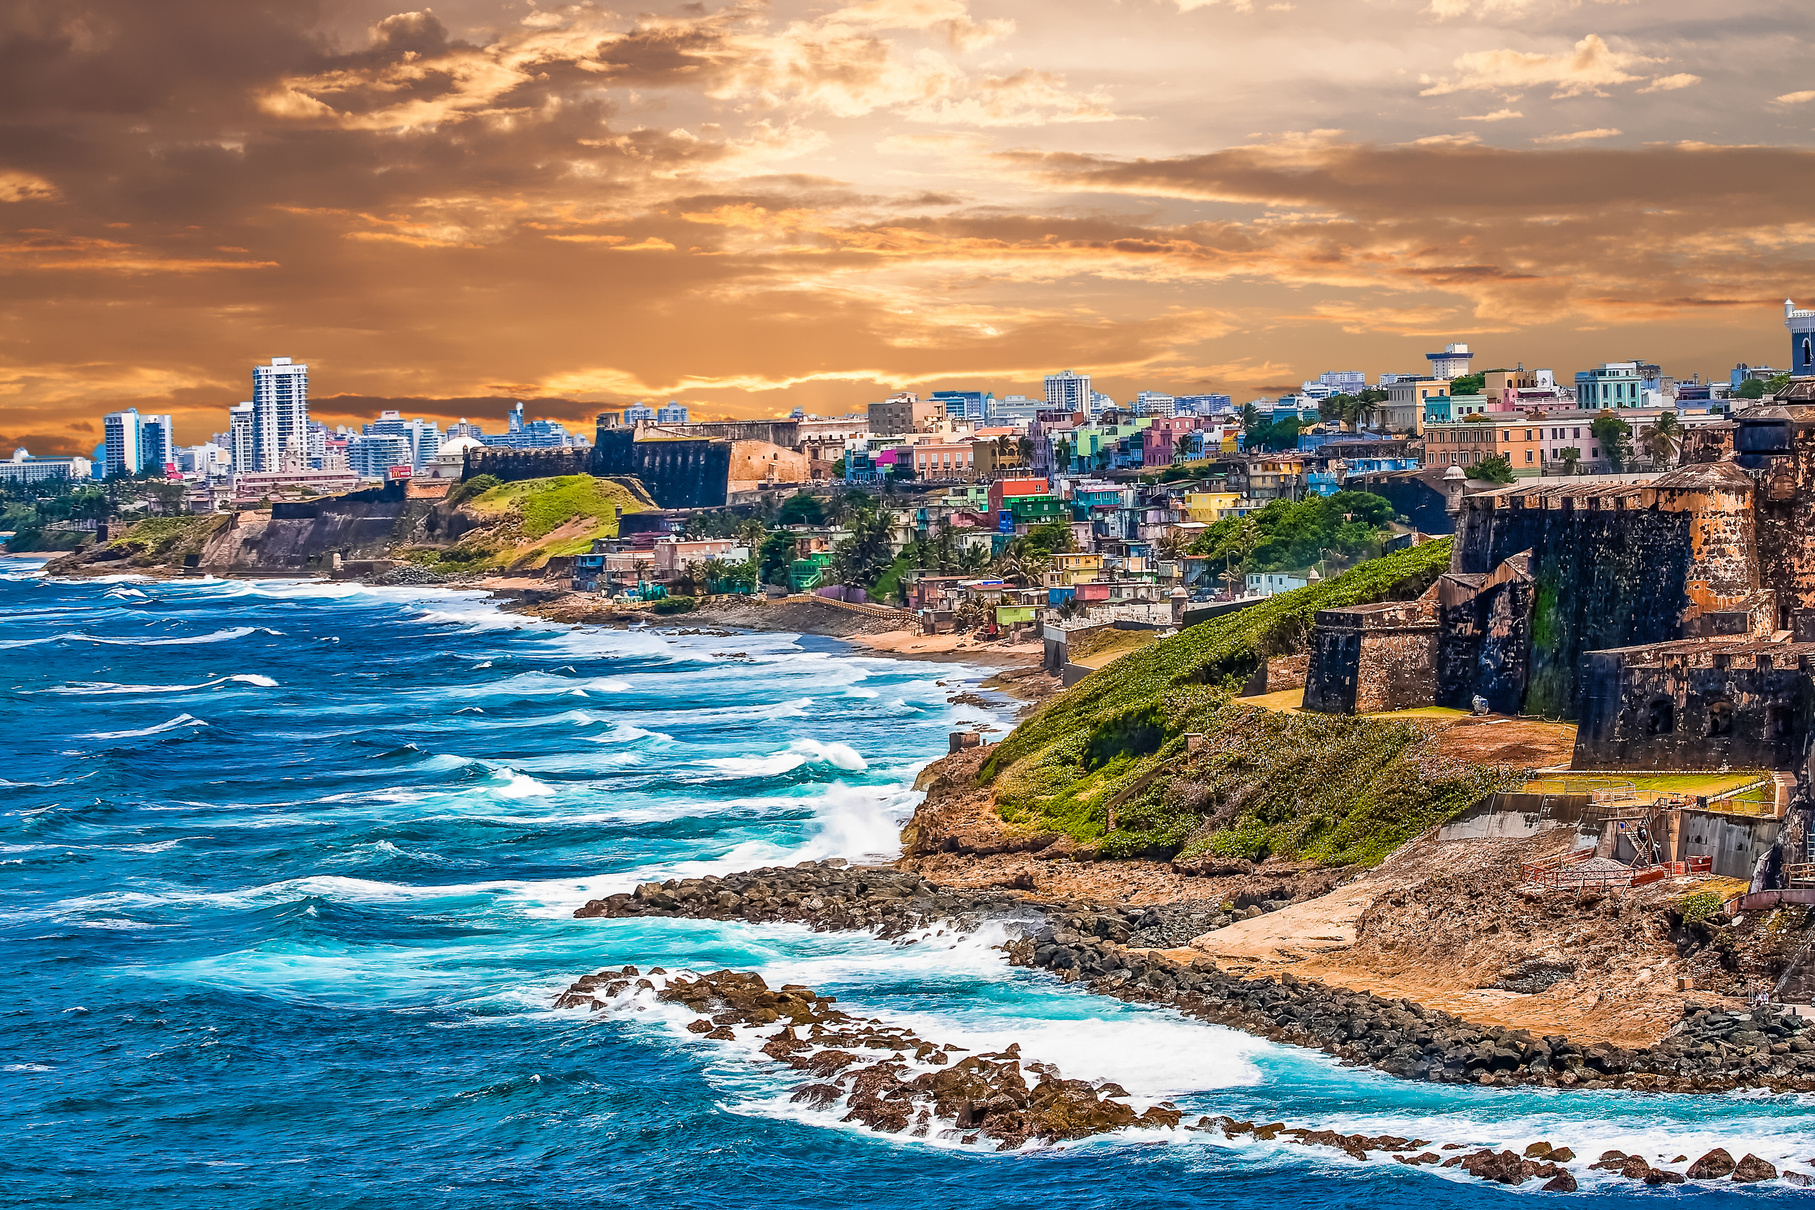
column 1802, row 339
column 537, row 434
column 974, row 406
column 1201, row 405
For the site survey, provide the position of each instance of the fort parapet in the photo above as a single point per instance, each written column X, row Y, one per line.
column 1674, row 618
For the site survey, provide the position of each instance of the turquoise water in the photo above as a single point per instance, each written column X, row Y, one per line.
column 286, row 881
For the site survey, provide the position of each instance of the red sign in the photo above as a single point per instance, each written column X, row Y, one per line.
column 401, row 472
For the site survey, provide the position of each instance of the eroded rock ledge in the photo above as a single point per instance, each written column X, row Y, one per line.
column 1111, row 952
column 891, row 1080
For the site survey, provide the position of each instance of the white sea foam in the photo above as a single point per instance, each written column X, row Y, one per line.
column 218, row 636
column 175, row 724
column 798, row 753
column 103, row 688
column 520, row 785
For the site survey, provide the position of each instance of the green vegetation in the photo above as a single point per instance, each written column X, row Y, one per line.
column 518, row 519
column 167, row 539
column 1351, row 409
column 1278, row 436
column 1613, row 433
column 1337, row 790
column 466, row 489
column 773, row 558
column 1180, row 471
column 1287, row 535
column 1497, row 469
column 862, row 558
column 1758, row 388
column 1699, row 906
column 800, row 509
column 1468, row 384
column 668, row 605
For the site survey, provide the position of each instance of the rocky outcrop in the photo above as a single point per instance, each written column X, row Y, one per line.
column 825, row 896
column 887, row 1078
column 1111, row 951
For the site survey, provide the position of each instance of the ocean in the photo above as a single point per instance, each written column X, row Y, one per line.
column 287, row 875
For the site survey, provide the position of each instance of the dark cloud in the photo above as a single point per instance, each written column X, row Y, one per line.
column 753, row 207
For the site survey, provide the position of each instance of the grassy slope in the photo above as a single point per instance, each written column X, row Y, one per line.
column 516, row 518
column 1336, row 789
column 167, row 539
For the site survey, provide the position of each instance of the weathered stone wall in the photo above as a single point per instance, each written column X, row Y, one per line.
column 1785, row 516
column 1695, row 706
column 684, row 474
column 755, row 462
column 1608, row 573
column 1485, row 643
column 304, row 539
column 1372, row 657
column 678, row 472
column 514, row 466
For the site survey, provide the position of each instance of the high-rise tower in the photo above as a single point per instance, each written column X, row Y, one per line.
column 280, row 412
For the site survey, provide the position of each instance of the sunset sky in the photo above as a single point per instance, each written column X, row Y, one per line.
column 752, row 207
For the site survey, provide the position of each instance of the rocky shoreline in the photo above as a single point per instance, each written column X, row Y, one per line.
column 1112, row 951
column 890, row 1080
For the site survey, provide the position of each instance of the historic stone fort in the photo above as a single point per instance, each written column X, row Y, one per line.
column 1673, row 620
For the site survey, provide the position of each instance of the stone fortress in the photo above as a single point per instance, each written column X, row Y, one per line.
column 1673, row 620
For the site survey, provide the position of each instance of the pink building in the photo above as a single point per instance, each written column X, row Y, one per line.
column 1160, row 440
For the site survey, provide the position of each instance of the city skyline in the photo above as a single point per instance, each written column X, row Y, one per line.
column 752, row 209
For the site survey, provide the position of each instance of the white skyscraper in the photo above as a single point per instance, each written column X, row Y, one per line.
column 1154, row 403
column 122, row 441
column 280, row 411
column 239, row 438
column 1069, row 391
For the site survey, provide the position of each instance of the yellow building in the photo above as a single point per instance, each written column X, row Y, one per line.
column 1211, row 507
column 1068, row 569
column 1499, row 383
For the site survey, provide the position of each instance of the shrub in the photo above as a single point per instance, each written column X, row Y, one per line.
column 466, row 489
column 673, row 605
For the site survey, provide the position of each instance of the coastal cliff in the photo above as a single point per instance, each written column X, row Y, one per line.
column 481, row 527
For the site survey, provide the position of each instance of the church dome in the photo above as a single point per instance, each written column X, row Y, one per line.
column 455, row 447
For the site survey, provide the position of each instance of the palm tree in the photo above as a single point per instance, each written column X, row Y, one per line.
column 973, row 560
column 1663, row 439
column 1022, row 562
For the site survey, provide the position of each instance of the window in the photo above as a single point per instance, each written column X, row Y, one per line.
column 1777, row 722
column 1575, row 434
column 1528, row 455
column 1720, row 717
column 1661, row 718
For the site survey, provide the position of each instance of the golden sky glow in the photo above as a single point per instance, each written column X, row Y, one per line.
column 752, row 207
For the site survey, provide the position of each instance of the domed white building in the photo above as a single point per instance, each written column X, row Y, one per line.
column 449, row 462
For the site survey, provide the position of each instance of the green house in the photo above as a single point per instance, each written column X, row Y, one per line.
column 806, row 574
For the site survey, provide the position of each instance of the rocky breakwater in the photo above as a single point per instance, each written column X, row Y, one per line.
column 825, row 896
column 883, row 1076
column 1708, row 1050
column 891, row 1080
